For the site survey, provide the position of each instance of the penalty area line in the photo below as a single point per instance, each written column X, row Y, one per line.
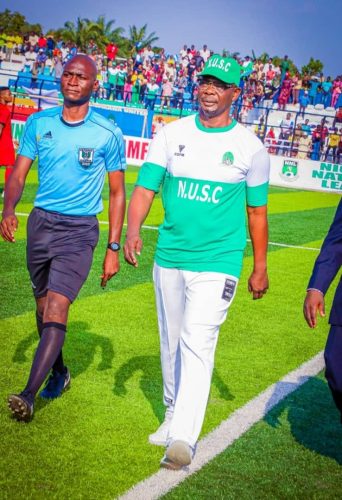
column 155, row 228
column 227, row 432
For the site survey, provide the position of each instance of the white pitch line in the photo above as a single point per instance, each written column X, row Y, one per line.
column 285, row 245
column 227, row 432
column 155, row 228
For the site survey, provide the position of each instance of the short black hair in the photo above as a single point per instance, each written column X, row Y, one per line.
column 3, row 87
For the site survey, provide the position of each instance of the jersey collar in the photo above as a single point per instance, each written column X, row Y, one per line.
column 75, row 124
column 213, row 130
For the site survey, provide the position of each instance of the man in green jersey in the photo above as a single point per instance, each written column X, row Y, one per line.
column 211, row 168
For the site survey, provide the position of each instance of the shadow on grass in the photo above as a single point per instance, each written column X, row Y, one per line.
column 78, row 352
column 151, row 382
column 79, row 349
column 314, row 421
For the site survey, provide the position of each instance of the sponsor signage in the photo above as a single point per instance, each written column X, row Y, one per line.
column 306, row 174
column 285, row 172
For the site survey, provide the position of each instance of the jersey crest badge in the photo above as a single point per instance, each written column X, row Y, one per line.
column 228, row 158
column 86, row 156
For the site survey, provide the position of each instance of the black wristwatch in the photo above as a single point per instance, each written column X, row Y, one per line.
column 114, row 246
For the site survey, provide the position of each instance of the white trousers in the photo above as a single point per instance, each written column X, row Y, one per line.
column 191, row 307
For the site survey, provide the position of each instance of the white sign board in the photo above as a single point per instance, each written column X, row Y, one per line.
column 306, row 174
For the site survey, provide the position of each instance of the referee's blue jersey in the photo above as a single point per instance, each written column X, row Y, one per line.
column 72, row 159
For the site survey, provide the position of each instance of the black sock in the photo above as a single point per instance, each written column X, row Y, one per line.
column 58, row 365
column 50, row 345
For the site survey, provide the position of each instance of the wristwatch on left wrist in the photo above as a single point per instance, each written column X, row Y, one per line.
column 114, row 246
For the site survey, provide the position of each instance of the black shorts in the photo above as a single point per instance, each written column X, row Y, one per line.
column 60, row 251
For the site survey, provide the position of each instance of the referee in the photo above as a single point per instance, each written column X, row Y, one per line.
column 75, row 147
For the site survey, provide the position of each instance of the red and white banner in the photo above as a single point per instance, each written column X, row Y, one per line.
column 136, row 150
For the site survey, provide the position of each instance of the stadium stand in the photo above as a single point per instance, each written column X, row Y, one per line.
column 268, row 92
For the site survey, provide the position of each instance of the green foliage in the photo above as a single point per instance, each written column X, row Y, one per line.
column 139, row 39
column 14, row 23
column 102, row 32
column 314, row 67
column 292, row 67
column 264, row 57
column 78, row 33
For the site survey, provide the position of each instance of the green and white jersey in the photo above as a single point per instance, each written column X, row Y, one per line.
column 207, row 176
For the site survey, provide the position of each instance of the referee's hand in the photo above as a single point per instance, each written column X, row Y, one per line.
column 8, row 227
column 111, row 266
column 132, row 248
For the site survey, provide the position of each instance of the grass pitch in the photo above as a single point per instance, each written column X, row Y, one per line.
column 92, row 442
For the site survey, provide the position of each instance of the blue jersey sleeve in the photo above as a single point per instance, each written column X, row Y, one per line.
column 28, row 141
column 115, row 158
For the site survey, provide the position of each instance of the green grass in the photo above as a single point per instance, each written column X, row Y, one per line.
column 295, row 452
column 92, row 442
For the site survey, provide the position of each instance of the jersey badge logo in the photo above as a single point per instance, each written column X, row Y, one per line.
column 48, row 135
column 181, row 148
column 86, row 156
column 228, row 158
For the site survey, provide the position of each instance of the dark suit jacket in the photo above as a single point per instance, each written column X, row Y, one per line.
column 328, row 264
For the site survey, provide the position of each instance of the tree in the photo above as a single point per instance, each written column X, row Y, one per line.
column 103, row 33
column 14, row 23
column 264, row 57
column 78, row 33
column 314, row 67
column 138, row 39
column 292, row 67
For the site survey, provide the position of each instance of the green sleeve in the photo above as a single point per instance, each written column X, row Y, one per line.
column 151, row 176
column 257, row 195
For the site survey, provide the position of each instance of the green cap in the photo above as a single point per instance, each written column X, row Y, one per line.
column 226, row 69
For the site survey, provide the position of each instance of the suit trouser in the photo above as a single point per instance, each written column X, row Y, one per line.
column 333, row 363
column 191, row 309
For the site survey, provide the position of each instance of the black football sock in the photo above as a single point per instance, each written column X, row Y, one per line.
column 50, row 345
column 58, row 365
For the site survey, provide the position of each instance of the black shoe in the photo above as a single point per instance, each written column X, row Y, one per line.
column 21, row 406
column 56, row 384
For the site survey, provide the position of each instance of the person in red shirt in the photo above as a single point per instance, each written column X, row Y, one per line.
column 338, row 116
column 7, row 155
column 111, row 51
column 42, row 42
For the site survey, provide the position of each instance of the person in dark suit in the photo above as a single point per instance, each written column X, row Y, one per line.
column 325, row 269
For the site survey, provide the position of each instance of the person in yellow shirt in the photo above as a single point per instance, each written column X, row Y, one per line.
column 333, row 143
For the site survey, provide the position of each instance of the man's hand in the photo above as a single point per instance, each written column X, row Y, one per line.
column 258, row 284
column 314, row 302
column 111, row 266
column 8, row 227
column 132, row 248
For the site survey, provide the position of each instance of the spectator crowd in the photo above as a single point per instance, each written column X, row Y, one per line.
column 150, row 77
